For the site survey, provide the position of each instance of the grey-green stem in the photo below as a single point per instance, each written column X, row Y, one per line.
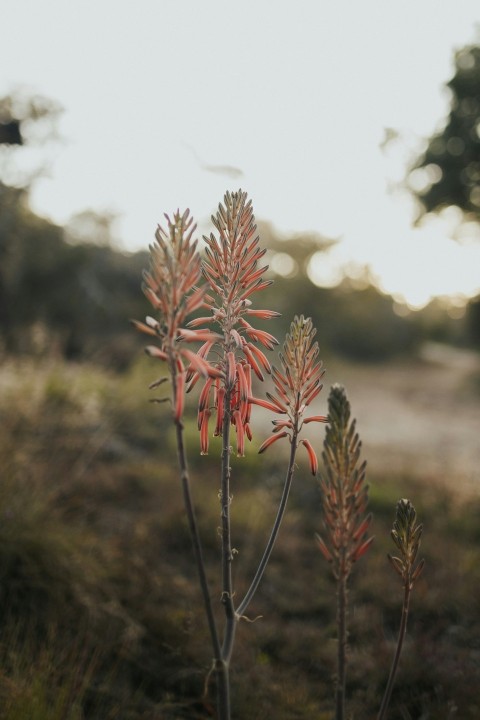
column 398, row 652
column 227, row 558
column 196, row 542
column 195, row 536
column 273, row 536
column 342, row 638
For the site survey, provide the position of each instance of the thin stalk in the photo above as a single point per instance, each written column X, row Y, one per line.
column 227, row 559
column 222, row 693
column 398, row 652
column 195, row 535
column 273, row 536
column 341, row 609
column 342, row 641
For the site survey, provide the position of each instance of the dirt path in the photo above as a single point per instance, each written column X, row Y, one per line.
column 421, row 418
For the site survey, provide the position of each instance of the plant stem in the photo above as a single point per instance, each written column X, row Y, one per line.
column 195, row 535
column 227, row 558
column 273, row 536
column 342, row 640
column 198, row 552
column 398, row 652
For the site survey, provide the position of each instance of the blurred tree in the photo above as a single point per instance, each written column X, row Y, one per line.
column 299, row 246
column 10, row 133
column 29, row 121
column 69, row 291
column 55, row 297
column 448, row 172
column 357, row 323
column 89, row 226
column 473, row 321
column 66, row 290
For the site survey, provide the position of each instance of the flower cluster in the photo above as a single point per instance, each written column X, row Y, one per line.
column 295, row 387
column 406, row 534
column 233, row 273
column 171, row 284
column 178, row 284
column 345, row 495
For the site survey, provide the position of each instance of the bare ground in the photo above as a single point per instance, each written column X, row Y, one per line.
column 420, row 418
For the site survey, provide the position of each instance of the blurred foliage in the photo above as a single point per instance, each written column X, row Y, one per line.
column 27, row 120
column 100, row 614
column 27, row 117
column 354, row 319
column 63, row 291
column 73, row 300
column 68, row 292
column 360, row 324
column 473, row 321
column 448, row 172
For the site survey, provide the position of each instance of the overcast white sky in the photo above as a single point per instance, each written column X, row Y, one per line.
column 295, row 95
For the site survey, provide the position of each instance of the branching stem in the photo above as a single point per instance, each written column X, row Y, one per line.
column 273, row 536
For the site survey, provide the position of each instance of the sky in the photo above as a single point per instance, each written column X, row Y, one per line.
column 169, row 103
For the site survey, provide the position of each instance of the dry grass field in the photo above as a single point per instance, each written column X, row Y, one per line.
column 100, row 611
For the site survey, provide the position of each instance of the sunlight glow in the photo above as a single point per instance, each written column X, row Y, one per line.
column 324, row 270
column 283, row 264
column 429, row 265
column 323, row 170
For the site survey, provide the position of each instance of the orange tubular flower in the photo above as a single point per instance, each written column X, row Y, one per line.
column 295, row 387
column 233, row 272
column 203, row 427
column 273, row 406
column 179, row 395
column 259, row 355
column 251, row 361
column 269, row 441
column 219, row 407
column 311, row 455
column 171, row 284
column 240, row 431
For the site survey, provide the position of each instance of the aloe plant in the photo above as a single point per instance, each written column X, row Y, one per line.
column 406, row 534
column 221, row 351
column 177, row 284
column 346, row 523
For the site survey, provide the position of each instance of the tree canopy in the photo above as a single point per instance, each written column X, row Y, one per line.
column 448, row 172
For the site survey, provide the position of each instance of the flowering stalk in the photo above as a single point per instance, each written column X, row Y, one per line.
column 406, row 535
column 179, row 285
column 231, row 269
column 296, row 385
column 171, row 286
column 345, row 498
column 233, row 273
column 224, row 365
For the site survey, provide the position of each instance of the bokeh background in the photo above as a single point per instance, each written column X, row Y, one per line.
column 355, row 129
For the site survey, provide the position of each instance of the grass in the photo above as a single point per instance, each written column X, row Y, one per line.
column 100, row 616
